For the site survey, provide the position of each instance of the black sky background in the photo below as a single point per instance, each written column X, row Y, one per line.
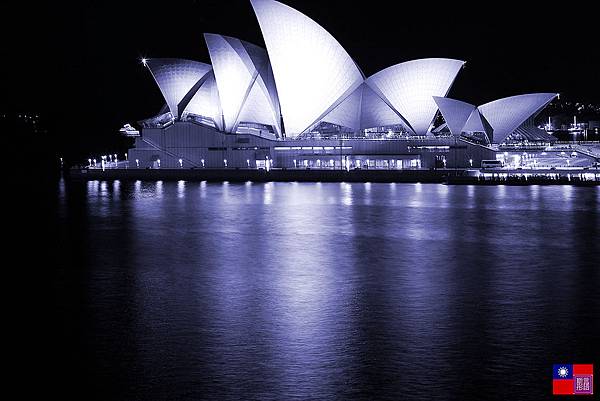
column 78, row 64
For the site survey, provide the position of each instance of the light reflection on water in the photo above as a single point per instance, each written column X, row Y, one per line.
column 268, row 193
column 159, row 189
column 103, row 189
column 331, row 291
column 117, row 188
column 346, row 194
column 181, row 189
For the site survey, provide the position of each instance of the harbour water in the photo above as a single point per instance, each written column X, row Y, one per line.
column 281, row 291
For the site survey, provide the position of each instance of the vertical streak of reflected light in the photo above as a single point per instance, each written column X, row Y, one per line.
column 159, row 189
column 346, row 194
column 92, row 187
column 268, row 193
column 117, row 189
column 103, row 189
column 501, row 191
column 61, row 187
column 567, row 191
column 181, row 189
column 535, row 192
column 416, row 198
column 248, row 191
column 367, row 193
column 470, row 203
column 225, row 193
column 442, row 191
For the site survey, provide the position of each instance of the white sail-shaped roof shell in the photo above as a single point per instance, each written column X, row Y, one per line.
column 347, row 113
column 455, row 113
column 475, row 123
column 176, row 78
column 506, row 115
column 257, row 109
column 375, row 112
column 363, row 109
column 312, row 70
column 410, row 87
column 206, row 103
column 242, row 73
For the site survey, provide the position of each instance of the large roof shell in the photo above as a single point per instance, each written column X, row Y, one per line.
column 313, row 72
column 363, row 109
column 508, row 114
column 455, row 112
column 177, row 79
column 410, row 87
column 206, row 103
column 244, row 81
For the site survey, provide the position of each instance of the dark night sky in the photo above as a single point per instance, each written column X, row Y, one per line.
column 79, row 64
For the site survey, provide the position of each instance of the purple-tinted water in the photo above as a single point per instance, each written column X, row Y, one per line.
column 189, row 290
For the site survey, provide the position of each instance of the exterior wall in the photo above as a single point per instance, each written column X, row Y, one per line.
column 204, row 147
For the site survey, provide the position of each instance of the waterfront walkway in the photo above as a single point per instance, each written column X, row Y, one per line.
column 475, row 177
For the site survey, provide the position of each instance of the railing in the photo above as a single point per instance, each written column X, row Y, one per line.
column 169, row 153
column 577, row 142
column 587, row 152
column 380, row 138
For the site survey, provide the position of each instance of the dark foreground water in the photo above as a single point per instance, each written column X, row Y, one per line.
column 189, row 290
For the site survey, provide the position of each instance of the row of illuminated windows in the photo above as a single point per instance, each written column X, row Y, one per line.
column 443, row 149
column 325, row 148
column 252, row 148
column 358, row 163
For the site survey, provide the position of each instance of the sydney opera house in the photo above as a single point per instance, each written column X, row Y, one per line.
column 303, row 102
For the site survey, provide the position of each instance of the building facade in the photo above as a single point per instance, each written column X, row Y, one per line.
column 304, row 103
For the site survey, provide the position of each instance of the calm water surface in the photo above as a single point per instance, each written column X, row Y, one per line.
column 190, row 290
